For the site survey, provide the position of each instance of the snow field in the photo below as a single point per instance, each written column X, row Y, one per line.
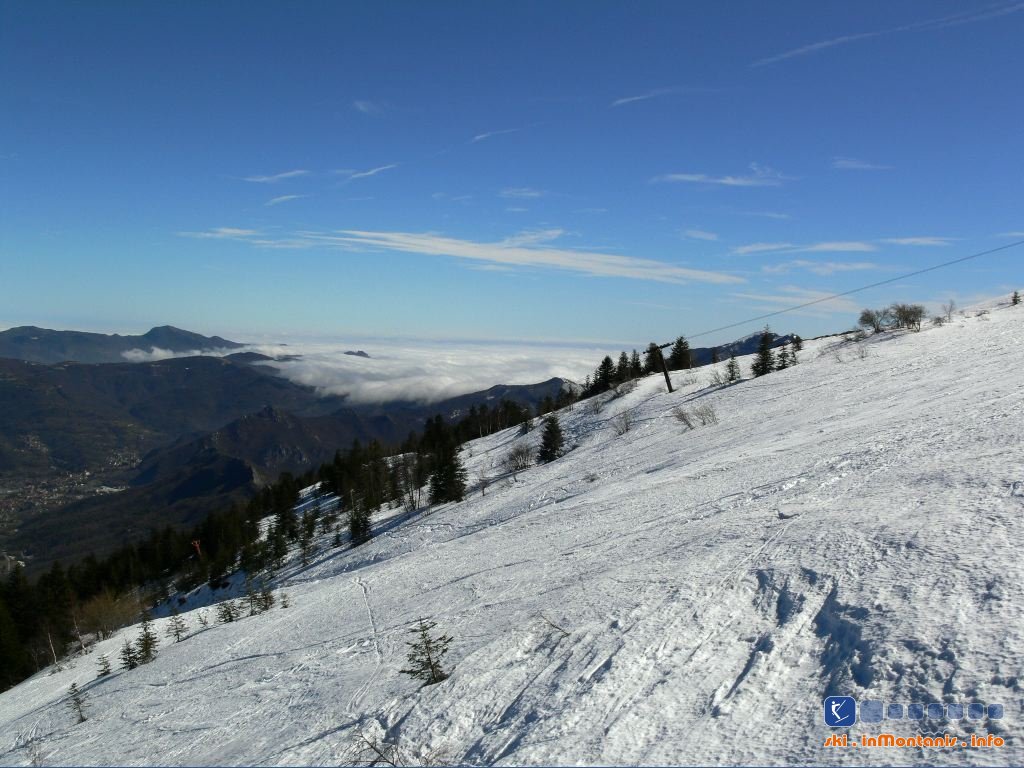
column 663, row 596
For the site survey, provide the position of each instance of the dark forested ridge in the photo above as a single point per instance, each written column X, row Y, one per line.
column 42, row 345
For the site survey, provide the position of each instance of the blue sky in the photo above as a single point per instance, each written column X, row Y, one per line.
column 598, row 172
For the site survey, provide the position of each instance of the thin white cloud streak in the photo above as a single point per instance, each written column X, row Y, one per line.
column 762, row 176
column 276, row 177
column 820, row 267
column 792, row 295
column 524, row 250
column 351, row 174
column 426, row 371
column 491, row 134
column 282, row 199
column 1011, row 234
column 701, row 234
column 222, row 233
column 853, row 164
column 366, row 107
column 834, row 246
column 919, row 241
column 522, row 193
column 655, row 94
column 956, row 19
column 744, row 250
column 767, row 215
column 838, row 246
column 156, row 353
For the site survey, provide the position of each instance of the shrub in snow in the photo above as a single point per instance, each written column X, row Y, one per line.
column 426, row 654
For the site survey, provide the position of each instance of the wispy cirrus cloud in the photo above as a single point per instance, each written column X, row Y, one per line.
column 820, row 267
column 1011, row 234
column 955, row 19
column 656, row 93
column 491, row 134
column 919, row 241
column 853, row 164
column 522, row 193
column 282, row 199
column 351, row 174
column 222, row 233
column 830, row 246
column 760, row 176
column 528, row 249
column 744, row 250
column 791, row 295
column 366, row 107
column 276, row 177
column 700, row 234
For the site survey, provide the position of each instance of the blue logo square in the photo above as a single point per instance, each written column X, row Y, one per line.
column 955, row 711
column 936, row 711
column 975, row 711
column 894, row 712
column 840, row 711
column 871, row 711
column 915, row 711
column 995, row 711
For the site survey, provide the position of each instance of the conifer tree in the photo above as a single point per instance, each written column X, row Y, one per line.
column 622, row 369
column 679, row 357
column 636, row 368
column 76, row 703
column 177, row 627
column 604, row 375
column 227, row 611
column 732, row 369
column 104, row 665
column 426, row 654
column 448, row 483
column 798, row 343
column 1015, row 299
column 765, row 361
column 782, row 360
column 129, row 656
column 147, row 643
column 551, row 441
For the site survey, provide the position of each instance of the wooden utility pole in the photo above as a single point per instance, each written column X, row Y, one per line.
column 664, row 367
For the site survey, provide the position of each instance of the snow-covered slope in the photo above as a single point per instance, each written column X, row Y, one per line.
column 851, row 525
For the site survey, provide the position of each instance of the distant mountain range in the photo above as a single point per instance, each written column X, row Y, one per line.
column 179, row 437
column 41, row 345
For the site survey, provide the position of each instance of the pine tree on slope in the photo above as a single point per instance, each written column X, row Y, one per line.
column 765, row 361
column 552, row 440
column 426, row 654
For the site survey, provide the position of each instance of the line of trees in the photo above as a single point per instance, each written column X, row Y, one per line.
column 41, row 621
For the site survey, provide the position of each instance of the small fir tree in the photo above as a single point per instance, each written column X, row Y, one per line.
column 732, row 369
column 679, row 357
column 1015, row 299
column 129, row 656
column 636, row 368
column 177, row 627
column 104, row 665
column 284, row 601
column 76, row 703
column 227, row 612
column 798, row 344
column 147, row 643
column 782, row 360
column 426, row 654
column 203, row 619
column 764, row 363
column 551, row 441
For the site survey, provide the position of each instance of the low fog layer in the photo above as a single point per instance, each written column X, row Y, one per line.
column 427, row 371
column 424, row 371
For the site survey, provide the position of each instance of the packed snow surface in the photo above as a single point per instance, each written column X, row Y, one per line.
column 851, row 525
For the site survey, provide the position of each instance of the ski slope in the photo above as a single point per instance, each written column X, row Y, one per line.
column 851, row 525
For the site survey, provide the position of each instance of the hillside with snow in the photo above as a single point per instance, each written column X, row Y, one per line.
column 850, row 525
